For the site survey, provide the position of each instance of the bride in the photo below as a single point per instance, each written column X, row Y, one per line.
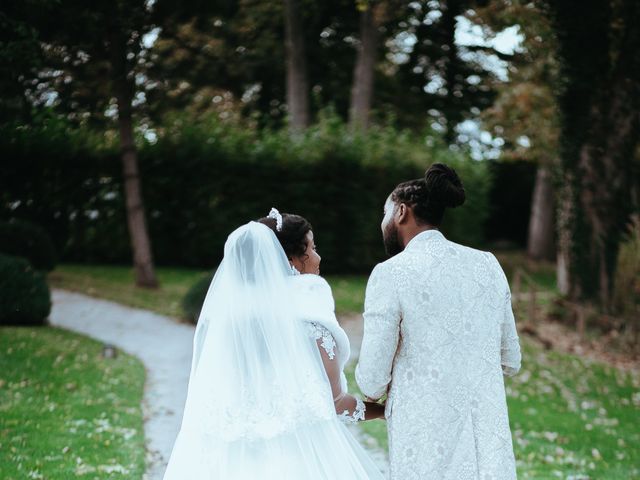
column 267, row 395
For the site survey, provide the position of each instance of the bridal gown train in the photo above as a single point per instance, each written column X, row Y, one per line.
column 259, row 403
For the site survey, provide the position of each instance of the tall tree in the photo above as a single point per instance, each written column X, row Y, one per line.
column 20, row 60
column 525, row 115
column 429, row 78
column 297, row 76
column 96, row 48
column 119, row 37
column 205, row 53
column 600, row 110
column 363, row 73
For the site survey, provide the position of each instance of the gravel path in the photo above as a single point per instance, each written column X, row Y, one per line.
column 164, row 346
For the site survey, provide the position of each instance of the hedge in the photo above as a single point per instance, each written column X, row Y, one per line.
column 202, row 180
column 28, row 240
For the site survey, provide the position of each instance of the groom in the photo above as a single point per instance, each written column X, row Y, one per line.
column 439, row 334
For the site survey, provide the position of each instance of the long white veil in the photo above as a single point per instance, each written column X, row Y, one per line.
column 258, row 405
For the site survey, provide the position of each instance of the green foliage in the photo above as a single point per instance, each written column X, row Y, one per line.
column 561, row 407
column 337, row 179
column 67, row 412
column 20, row 59
column 598, row 104
column 24, row 294
column 438, row 80
column 204, row 178
column 30, row 241
column 193, row 300
column 525, row 114
column 95, row 47
column 75, row 175
column 114, row 282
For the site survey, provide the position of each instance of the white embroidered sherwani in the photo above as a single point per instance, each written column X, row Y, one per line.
column 439, row 334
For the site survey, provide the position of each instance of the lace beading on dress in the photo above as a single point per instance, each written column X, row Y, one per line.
column 356, row 416
column 317, row 331
column 328, row 343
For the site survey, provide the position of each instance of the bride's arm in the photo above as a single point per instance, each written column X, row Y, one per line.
column 348, row 407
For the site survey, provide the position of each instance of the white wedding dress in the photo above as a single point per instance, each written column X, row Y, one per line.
column 266, row 376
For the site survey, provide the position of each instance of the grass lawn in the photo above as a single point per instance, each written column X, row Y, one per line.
column 115, row 283
column 66, row 412
column 570, row 418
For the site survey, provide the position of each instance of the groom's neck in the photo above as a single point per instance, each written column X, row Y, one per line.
column 410, row 231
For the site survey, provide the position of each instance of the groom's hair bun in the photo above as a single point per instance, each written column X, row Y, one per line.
column 429, row 196
column 444, row 185
column 293, row 234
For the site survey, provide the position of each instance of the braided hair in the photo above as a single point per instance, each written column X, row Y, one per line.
column 429, row 196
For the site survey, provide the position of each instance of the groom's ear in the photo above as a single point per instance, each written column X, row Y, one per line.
column 402, row 215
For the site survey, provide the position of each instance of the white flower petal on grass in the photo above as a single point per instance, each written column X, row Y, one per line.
column 113, row 469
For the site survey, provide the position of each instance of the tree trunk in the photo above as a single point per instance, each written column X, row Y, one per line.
column 605, row 197
column 452, row 67
column 297, row 83
column 600, row 106
column 540, row 244
column 363, row 73
column 140, row 244
column 566, row 204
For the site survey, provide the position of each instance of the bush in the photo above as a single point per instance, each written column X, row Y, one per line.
column 201, row 180
column 24, row 294
column 194, row 298
column 25, row 239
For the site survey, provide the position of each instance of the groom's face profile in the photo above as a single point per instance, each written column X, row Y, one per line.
column 389, row 228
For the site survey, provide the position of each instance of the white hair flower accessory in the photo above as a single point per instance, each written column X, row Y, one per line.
column 275, row 214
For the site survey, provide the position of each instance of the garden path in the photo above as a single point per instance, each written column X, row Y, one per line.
column 164, row 346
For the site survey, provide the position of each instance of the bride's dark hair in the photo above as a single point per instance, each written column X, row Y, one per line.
column 429, row 196
column 293, row 234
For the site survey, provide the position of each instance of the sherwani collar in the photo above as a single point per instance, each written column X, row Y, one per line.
column 424, row 237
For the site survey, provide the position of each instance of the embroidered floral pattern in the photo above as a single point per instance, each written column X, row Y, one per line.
column 356, row 416
column 317, row 331
column 438, row 334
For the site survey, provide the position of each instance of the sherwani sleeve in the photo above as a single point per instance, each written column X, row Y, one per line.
column 509, row 343
column 381, row 333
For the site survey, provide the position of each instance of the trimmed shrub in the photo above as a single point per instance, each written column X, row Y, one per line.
column 24, row 294
column 194, row 298
column 28, row 240
column 203, row 179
